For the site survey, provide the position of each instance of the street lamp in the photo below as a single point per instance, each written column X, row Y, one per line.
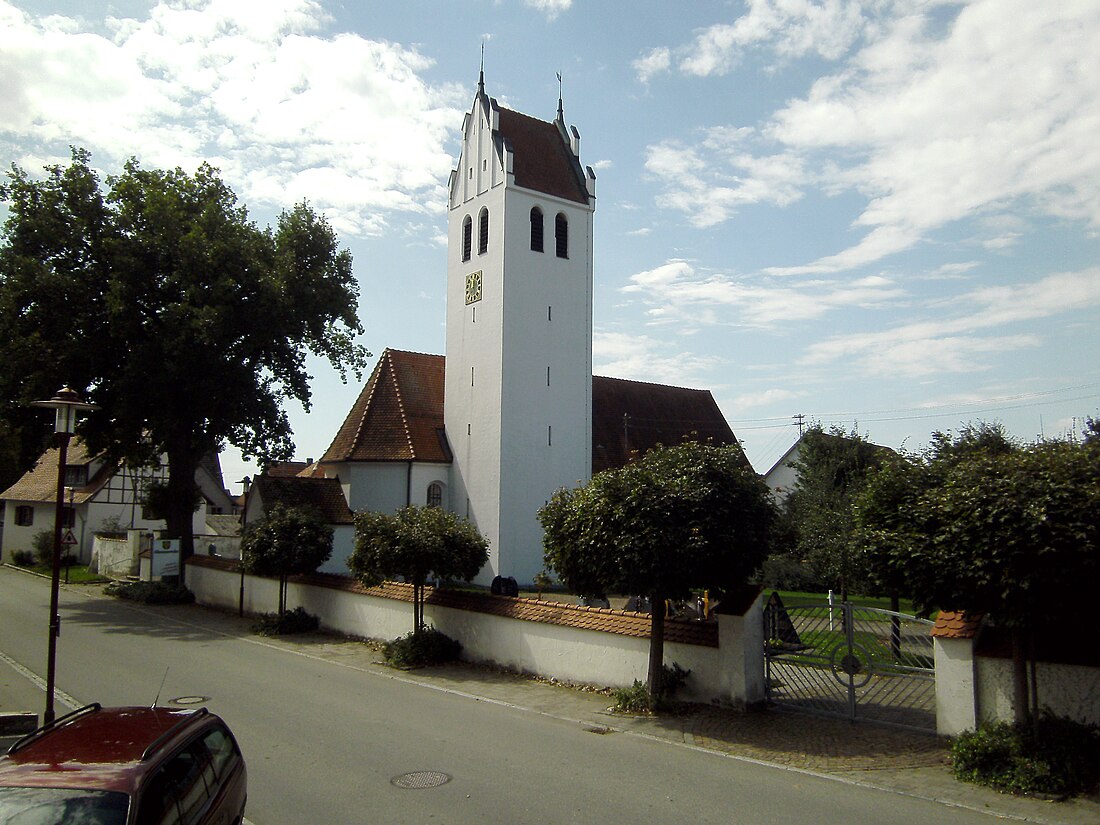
column 67, row 404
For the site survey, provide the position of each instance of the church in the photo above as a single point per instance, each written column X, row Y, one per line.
column 512, row 412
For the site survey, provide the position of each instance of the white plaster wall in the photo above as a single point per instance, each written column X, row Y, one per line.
column 551, row 651
column 1068, row 690
column 343, row 545
column 379, row 486
column 955, row 685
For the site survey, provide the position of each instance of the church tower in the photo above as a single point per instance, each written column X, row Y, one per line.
column 518, row 387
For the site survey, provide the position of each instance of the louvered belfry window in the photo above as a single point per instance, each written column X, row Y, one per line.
column 467, row 232
column 561, row 235
column 483, row 232
column 536, row 229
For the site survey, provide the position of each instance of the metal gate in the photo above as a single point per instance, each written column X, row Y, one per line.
column 859, row 663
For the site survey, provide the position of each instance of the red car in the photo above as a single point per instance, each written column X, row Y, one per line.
column 125, row 766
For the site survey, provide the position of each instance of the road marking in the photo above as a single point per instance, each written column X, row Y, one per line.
column 33, row 677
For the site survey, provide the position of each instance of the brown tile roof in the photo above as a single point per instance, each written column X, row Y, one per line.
column 398, row 415
column 324, row 494
column 633, row 416
column 286, row 469
column 40, row 482
column 951, row 624
column 542, row 159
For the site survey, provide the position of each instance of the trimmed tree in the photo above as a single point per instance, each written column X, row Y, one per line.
column 678, row 519
column 288, row 541
column 187, row 323
column 416, row 544
column 981, row 525
column 832, row 467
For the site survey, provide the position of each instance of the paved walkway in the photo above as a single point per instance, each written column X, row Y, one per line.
column 895, row 760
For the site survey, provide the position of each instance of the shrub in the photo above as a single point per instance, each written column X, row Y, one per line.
column 22, row 558
column 1060, row 759
column 293, row 621
column 423, row 649
column 787, row 573
column 635, row 699
column 43, row 548
column 150, row 592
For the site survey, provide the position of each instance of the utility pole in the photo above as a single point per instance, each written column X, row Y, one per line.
column 800, row 420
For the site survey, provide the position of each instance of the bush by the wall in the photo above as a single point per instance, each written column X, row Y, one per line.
column 423, row 649
column 292, row 621
column 22, row 558
column 150, row 592
column 1060, row 758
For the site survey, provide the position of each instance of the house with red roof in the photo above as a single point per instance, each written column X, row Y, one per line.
column 512, row 412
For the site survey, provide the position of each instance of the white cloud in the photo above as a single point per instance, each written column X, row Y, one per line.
column 551, row 8
column 792, row 28
column 764, row 398
column 990, row 109
column 654, row 62
column 642, row 358
column 284, row 110
column 957, row 343
column 676, row 291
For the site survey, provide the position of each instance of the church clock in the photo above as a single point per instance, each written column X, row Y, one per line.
column 473, row 287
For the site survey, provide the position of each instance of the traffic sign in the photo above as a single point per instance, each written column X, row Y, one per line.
column 69, row 540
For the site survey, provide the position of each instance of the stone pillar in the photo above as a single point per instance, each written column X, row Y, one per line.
column 741, row 652
column 956, row 685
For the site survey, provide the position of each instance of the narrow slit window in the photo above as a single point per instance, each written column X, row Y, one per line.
column 548, row 376
column 561, row 235
column 471, row 376
column 549, row 436
column 483, row 232
column 467, row 235
column 536, row 229
column 549, row 314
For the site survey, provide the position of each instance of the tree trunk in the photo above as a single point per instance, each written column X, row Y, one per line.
column 182, row 465
column 418, row 608
column 1020, row 705
column 656, row 645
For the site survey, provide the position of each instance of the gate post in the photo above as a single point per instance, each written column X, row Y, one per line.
column 741, row 652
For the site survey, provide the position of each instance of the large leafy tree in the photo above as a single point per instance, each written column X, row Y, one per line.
column 415, row 544
column 188, row 324
column 982, row 525
column 832, row 466
column 287, row 541
column 678, row 519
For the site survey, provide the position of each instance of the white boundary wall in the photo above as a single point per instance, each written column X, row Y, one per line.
column 731, row 674
column 973, row 689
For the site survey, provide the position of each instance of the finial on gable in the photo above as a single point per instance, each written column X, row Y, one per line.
column 481, row 74
column 561, row 110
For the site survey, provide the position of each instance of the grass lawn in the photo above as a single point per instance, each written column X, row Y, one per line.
column 790, row 597
column 76, row 574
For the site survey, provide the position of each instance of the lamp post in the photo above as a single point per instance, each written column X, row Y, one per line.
column 66, row 404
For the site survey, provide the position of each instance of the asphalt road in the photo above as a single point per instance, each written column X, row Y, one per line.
column 324, row 740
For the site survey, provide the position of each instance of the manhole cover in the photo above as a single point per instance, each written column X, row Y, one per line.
column 190, row 700
column 420, row 779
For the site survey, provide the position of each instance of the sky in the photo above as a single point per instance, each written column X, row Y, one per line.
column 877, row 215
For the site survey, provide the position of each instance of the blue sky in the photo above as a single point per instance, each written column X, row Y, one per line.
column 883, row 215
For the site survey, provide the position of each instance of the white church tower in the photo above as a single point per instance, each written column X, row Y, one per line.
column 518, row 390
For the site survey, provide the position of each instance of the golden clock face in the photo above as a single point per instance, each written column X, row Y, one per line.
column 473, row 287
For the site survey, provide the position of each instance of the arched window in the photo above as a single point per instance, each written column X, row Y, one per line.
column 561, row 235
column 467, row 232
column 435, row 494
column 483, row 232
column 536, row 229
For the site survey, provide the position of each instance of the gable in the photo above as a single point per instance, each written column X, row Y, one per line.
column 325, row 495
column 542, row 159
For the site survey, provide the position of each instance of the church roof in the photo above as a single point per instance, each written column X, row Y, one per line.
column 633, row 416
column 398, row 415
column 542, row 159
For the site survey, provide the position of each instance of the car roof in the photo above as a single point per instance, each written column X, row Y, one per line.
column 95, row 747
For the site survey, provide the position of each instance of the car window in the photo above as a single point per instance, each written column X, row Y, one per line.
column 179, row 790
column 62, row 806
column 223, row 751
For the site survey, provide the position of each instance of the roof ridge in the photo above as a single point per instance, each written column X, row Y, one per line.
column 385, row 358
column 401, row 407
column 651, row 383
